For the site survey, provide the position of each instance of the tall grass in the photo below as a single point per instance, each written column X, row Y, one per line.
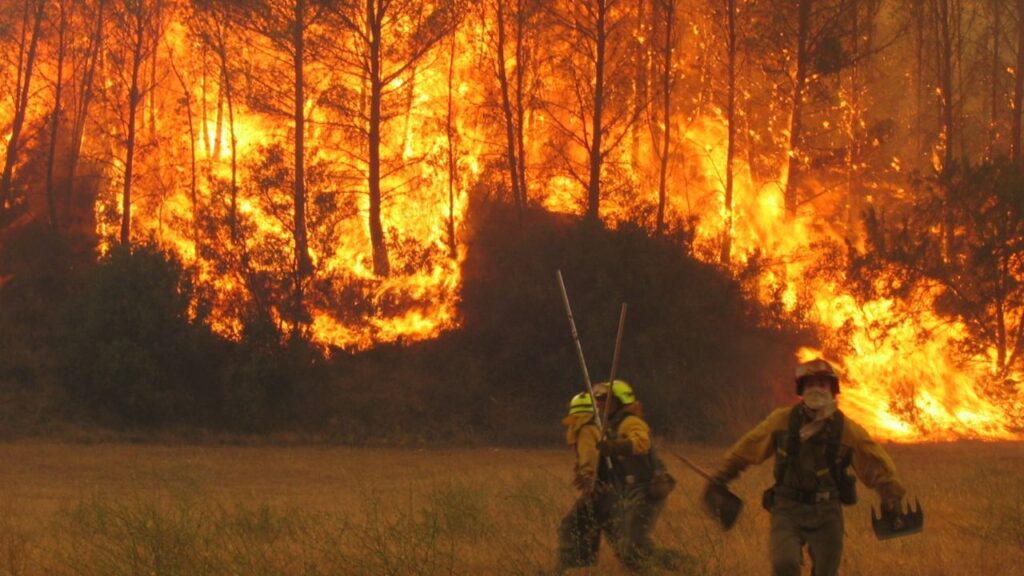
column 474, row 513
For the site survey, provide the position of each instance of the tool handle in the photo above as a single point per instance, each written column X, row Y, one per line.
column 579, row 352
column 693, row 465
column 615, row 361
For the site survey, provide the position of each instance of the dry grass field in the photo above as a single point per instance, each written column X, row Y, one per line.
column 114, row 509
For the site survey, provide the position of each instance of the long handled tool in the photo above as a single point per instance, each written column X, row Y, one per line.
column 718, row 500
column 579, row 351
column 583, row 363
column 615, row 360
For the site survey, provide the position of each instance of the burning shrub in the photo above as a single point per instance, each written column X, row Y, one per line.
column 958, row 247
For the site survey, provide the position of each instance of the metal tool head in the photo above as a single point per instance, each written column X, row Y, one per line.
column 899, row 522
column 722, row 504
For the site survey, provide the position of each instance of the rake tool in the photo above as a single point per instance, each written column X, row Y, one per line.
column 722, row 504
column 898, row 523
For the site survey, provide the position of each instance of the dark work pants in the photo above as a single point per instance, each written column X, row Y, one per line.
column 625, row 519
column 819, row 526
column 579, row 534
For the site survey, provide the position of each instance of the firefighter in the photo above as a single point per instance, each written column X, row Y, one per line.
column 579, row 535
column 629, row 468
column 814, row 445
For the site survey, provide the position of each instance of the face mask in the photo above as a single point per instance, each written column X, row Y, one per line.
column 818, row 398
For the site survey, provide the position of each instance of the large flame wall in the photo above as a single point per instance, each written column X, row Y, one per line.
column 899, row 377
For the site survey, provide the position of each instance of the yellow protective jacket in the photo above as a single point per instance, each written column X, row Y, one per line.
column 640, row 465
column 871, row 463
column 582, row 434
column 633, row 428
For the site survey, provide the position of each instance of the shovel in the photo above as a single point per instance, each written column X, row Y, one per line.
column 722, row 504
column 900, row 523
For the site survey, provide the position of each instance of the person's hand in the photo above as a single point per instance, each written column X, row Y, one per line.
column 584, row 483
column 615, row 446
column 891, row 513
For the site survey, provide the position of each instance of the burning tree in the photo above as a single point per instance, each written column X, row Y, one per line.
column 978, row 279
column 312, row 161
column 598, row 63
column 516, row 43
column 384, row 43
column 23, row 47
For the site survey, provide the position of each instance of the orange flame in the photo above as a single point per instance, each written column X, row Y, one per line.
column 900, row 380
column 417, row 213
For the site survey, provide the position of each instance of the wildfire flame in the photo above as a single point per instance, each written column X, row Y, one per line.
column 899, row 378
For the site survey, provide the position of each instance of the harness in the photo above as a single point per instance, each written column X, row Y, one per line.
column 788, row 453
column 628, row 470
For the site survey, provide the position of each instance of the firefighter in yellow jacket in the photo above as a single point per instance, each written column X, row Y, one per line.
column 579, row 535
column 622, row 482
column 814, row 445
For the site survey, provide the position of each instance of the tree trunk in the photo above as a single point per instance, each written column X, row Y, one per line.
column 796, row 119
column 82, row 110
column 452, row 160
column 993, row 120
column 381, row 265
column 945, row 53
column 21, row 105
column 1018, row 88
column 919, row 36
column 730, row 116
column 134, row 99
column 640, row 82
column 666, row 115
column 303, row 264
column 520, row 109
column 51, row 158
column 193, row 168
column 229, row 96
column 853, row 134
column 945, row 69
column 506, row 108
column 596, row 154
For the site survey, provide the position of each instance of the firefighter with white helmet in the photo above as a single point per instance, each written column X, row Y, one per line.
column 814, row 445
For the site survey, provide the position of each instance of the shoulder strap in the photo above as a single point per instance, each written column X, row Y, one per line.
column 786, row 451
column 832, row 449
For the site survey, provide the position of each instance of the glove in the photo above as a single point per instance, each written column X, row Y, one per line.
column 583, row 483
column 728, row 472
column 615, row 447
column 891, row 513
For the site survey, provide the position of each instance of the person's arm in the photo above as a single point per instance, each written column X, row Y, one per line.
column 873, row 465
column 753, row 448
column 634, row 437
column 587, row 455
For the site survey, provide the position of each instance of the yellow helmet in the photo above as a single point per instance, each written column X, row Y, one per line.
column 813, row 368
column 622, row 391
column 581, row 403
